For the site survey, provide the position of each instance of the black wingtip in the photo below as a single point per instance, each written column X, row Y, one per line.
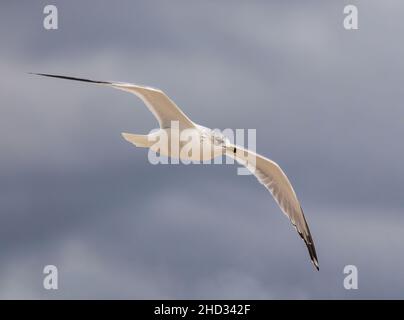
column 308, row 240
column 312, row 253
column 315, row 261
column 68, row 78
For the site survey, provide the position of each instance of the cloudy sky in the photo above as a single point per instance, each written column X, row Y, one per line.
column 326, row 104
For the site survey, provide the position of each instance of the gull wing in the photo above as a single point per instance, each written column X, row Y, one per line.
column 274, row 179
column 162, row 107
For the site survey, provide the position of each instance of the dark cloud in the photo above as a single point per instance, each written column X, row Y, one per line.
column 326, row 104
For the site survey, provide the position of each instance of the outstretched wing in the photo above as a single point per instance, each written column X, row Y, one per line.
column 274, row 179
column 162, row 107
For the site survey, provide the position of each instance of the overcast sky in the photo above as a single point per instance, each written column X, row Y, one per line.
column 326, row 104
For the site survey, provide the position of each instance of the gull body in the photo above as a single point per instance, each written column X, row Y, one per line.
column 207, row 143
column 211, row 144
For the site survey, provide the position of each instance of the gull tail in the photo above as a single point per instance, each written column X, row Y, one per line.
column 139, row 140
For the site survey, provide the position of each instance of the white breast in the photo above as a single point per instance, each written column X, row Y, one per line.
column 188, row 144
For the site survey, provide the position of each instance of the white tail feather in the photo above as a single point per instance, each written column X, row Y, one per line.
column 139, row 140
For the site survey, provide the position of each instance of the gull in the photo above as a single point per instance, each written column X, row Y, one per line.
column 265, row 170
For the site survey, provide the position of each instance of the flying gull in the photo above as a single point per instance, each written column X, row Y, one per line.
column 265, row 170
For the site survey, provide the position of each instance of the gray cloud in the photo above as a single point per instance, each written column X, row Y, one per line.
column 327, row 106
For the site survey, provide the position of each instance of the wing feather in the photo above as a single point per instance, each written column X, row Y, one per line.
column 162, row 107
column 275, row 180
